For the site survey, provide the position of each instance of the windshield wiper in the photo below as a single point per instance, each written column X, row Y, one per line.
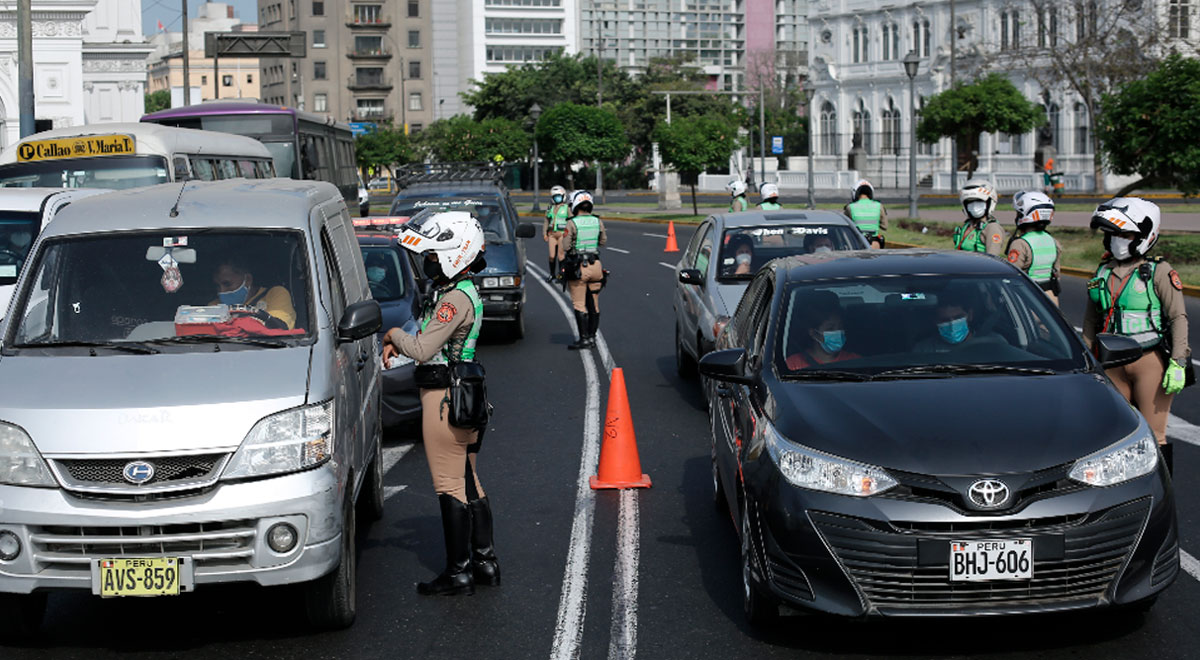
column 824, row 374
column 265, row 342
column 956, row 369
column 127, row 346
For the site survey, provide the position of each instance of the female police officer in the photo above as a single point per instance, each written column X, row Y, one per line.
column 585, row 275
column 452, row 244
column 552, row 229
column 1143, row 299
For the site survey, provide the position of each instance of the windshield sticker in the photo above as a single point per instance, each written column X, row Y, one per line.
column 449, row 203
column 8, row 271
column 728, row 261
column 912, row 296
column 175, row 241
column 810, row 230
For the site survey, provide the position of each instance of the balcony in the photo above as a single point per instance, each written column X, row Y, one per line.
column 380, row 54
column 383, row 116
column 367, row 21
column 369, row 84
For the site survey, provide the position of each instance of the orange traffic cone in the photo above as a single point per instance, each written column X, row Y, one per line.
column 672, row 246
column 619, row 463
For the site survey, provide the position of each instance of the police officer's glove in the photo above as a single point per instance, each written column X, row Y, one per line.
column 1175, row 378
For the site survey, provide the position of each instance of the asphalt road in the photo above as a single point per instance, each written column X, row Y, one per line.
column 597, row 574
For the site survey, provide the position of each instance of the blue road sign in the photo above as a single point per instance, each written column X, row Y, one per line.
column 362, row 127
column 777, row 144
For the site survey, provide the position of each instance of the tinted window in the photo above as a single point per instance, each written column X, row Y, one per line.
column 17, row 231
column 487, row 210
column 745, row 249
column 384, row 272
column 116, row 172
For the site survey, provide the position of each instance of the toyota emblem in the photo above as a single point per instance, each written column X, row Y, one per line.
column 988, row 493
column 138, row 472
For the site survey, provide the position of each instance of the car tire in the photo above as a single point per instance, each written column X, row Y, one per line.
column 760, row 610
column 370, row 500
column 718, row 489
column 330, row 599
column 516, row 329
column 21, row 615
column 685, row 365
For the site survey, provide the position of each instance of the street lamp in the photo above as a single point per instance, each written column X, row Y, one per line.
column 810, row 90
column 911, row 63
column 534, row 113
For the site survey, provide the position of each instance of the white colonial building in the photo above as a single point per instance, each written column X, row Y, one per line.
column 89, row 64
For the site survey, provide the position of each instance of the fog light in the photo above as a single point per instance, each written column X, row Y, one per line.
column 282, row 538
column 10, row 545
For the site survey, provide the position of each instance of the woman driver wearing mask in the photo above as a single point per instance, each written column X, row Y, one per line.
column 819, row 316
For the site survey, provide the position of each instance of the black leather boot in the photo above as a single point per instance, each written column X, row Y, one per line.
column 581, row 324
column 1168, row 452
column 484, row 565
column 593, row 326
column 456, row 527
column 553, row 271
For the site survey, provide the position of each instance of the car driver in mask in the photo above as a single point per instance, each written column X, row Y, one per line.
column 236, row 288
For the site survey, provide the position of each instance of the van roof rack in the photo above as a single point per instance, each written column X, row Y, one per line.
column 407, row 175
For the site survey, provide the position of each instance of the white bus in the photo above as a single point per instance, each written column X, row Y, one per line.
column 130, row 155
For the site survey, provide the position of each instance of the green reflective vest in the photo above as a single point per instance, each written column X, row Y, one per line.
column 739, row 204
column 1045, row 253
column 769, row 206
column 466, row 351
column 558, row 215
column 1138, row 312
column 866, row 213
column 587, row 233
column 978, row 243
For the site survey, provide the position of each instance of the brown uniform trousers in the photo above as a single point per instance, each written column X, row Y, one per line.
column 587, row 287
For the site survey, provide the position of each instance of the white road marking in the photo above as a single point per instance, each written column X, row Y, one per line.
column 646, row 233
column 618, row 250
column 1182, row 430
column 1189, row 564
column 606, row 357
column 392, row 456
column 622, row 644
column 667, row 265
column 388, row 491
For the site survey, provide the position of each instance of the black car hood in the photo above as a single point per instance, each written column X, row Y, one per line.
column 956, row 426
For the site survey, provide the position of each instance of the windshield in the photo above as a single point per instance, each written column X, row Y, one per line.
column 17, row 231
column 384, row 274
column 116, row 172
column 487, row 211
column 284, row 155
column 745, row 249
column 146, row 286
column 876, row 325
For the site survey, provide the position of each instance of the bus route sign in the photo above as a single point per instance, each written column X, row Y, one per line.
column 83, row 146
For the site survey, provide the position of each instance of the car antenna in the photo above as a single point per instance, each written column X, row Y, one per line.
column 175, row 209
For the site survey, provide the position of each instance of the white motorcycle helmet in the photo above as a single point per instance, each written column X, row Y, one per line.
column 978, row 195
column 768, row 191
column 578, row 199
column 1033, row 207
column 736, row 187
column 558, row 194
column 1128, row 214
column 859, row 190
column 455, row 237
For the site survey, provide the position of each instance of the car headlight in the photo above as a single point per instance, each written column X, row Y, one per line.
column 504, row 280
column 21, row 464
column 289, row 441
column 1130, row 458
column 809, row 468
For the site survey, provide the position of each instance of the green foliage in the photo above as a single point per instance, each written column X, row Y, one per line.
column 461, row 138
column 383, row 148
column 784, row 115
column 1149, row 126
column 695, row 144
column 989, row 105
column 160, row 100
column 569, row 133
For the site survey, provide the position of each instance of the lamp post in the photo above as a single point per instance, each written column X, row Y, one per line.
column 810, row 90
column 911, row 63
column 534, row 113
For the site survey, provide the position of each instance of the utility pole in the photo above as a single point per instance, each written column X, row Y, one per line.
column 599, row 104
column 187, row 80
column 25, row 66
column 953, row 140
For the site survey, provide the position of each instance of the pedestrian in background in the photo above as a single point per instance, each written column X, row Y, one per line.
column 1032, row 248
column 553, row 228
column 979, row 232
column 585, row 274
column 769, row 195
column 737, row 190
column 868, row 214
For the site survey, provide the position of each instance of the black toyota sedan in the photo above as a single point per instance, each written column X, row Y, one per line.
column 920, row 433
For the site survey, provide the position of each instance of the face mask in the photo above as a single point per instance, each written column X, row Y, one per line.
column 1120, row 248
column 376, row 274
column 822, row 249
column 976, row 209
column 743, row 259
column 20, row 239
column 237, row 296
column 557, row 198
column 433, row 269
column 954, row 331
column 833, row 340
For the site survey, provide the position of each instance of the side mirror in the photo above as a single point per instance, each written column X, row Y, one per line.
column 728, row 365
column 362, row 319
column 691, row 276
column 526, row 230
column 1116, row 350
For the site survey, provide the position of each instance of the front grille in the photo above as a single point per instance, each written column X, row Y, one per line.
column 789, row 578
column 213, row 544
column 886, row 564
column 166, row 469
column 1049, row 482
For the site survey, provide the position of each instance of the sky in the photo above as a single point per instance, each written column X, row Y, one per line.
column 170, row 12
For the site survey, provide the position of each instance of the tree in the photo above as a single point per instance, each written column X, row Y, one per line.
column 160, row 100
column 383, row 148
column 695, row 144
column 1149, row 127
column 989, row 105
column 462, row 139
column 570, row 133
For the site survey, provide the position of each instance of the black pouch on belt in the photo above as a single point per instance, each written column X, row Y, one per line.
column 469, row 408
column 432, row 376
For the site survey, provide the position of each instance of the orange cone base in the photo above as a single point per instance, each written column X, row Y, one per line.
column 596, row 484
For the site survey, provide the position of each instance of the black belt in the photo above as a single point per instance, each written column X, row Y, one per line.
column 432, row 376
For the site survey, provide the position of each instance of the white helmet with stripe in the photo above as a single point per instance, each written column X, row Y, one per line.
column 863, row 187
column 558, row 194
column 455, row 237
column 978, row 198
column 1129, row 215
column 768, row 191
column 1033, row 207
column 736, row 187
column 578, row 199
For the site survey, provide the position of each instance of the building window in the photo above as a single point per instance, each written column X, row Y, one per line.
column 828, row 121
column 227, row 81
column 891, row 129
column 859, row 44
column 320, row 102
column 921, row 37
column 249, row 78
column 862, row 127
column 369, row 108
column 318, row 7
column 368, row 14
column 1010, row 30
column 318, row 38
column 1009, row 144
column 318, row 71
column 415, row 128
column 923, row 148
column 203, row 80
column 1053, row 116
column 414, row 101
column 414, row 9
column 414, row 38
column 520, row 53
column 368, row 76
column 368, row 45
column 1179, row 19
column 523, row 26
column 1081, row 129
column 1052, row 20
column 414, row 69
column 891, row 42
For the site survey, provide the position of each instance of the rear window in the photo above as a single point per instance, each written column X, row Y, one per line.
column 745, row 249
column 487, row 210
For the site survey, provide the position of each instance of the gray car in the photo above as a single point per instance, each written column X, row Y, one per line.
column 723, row 256
column 190, row 395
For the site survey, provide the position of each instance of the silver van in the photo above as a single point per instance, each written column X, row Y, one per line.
column 189, row 395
